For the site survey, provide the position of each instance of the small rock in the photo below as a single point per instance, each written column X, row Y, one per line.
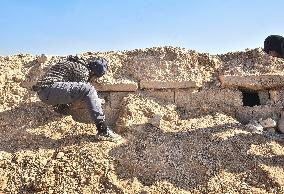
column 60, row 155
column 156, row 120
column 43, row 161
column 268, row 123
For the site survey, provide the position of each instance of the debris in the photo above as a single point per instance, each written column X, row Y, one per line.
column 267, row 123
column 200, row 150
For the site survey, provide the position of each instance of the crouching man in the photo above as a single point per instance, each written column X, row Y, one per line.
column 67, row 82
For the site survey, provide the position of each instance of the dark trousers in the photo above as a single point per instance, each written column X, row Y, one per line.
column 69, row 92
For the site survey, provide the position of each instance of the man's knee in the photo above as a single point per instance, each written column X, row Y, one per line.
column 89, row 91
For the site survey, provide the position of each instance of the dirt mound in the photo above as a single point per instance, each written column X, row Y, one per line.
column 165, row 149
column 211, row 153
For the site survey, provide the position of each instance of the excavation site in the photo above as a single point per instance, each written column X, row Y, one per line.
column 191, row 122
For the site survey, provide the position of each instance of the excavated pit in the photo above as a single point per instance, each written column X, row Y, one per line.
column 182, row 114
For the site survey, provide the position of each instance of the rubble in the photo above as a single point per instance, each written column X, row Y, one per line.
column 181, row 113
column 267, row 123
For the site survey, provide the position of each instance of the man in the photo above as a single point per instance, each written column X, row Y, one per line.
column 274, row 46
column 67, row 82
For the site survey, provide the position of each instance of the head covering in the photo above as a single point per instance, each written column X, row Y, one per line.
column 98, row 67
column 274, row 43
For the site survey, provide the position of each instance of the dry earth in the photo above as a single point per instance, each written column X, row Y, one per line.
column 163, row 151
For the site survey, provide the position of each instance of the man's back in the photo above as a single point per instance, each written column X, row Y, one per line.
column 66, row 71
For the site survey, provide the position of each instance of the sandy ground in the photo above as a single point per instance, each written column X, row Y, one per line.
column 162, row 151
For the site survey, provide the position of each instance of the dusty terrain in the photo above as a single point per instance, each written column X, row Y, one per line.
column 166, row 149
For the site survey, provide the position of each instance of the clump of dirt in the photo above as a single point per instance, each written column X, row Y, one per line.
column 162, row 151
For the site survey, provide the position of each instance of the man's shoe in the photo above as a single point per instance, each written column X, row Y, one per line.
column 105, row 133
column 108, row 135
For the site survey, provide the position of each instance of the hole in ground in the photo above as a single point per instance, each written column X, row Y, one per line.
column 250, row 98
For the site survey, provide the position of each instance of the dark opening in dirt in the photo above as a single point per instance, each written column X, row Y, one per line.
column 250, row 98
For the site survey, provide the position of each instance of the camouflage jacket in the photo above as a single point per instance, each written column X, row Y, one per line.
column 66, row 71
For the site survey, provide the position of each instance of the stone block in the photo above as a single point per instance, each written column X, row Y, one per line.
column 277, row 96
column 118, row 86
column 263, row 97
column 274, row 96
column 151, row 84
column 167, row 95
column 209, row 98
column 252, row 82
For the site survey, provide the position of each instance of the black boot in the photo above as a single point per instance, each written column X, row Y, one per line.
column 105, row 133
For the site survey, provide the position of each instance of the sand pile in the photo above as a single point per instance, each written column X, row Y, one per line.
column 163, row 151
column 211, row 153
column 159, row 63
